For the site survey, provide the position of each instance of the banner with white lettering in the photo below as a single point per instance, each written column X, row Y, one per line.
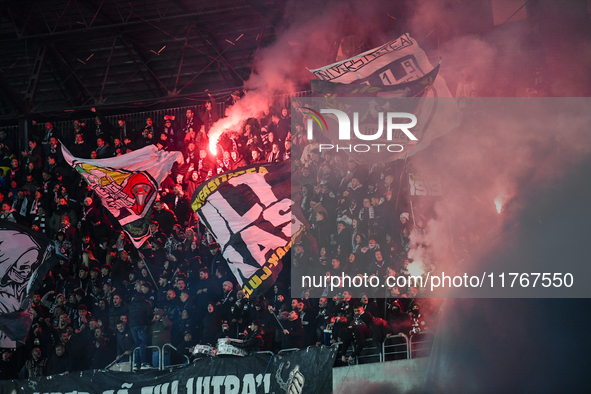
column 302, row 372
column 248, row 212
column 415, row 88
column 400, row 60
column 401, row 69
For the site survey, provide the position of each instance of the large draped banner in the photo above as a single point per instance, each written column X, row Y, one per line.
column 302, row 372
column 399, row 68
column 25, row 258
column 248, row 211
column 127, row 185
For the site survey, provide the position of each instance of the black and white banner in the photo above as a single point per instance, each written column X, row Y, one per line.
column 413, row 88
column 248, row 211
column 25, row 258
column 300, row 372
column 397, row 69
column 398, row 61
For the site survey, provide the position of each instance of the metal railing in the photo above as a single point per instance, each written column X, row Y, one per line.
column 420, row 344
column 161, row 359
column 370, row 351
column 108, row 367
column 291, row 349
column 399, row 347
column 161, row 354
column 146, row 361
column 265, row 352
column 396, row 348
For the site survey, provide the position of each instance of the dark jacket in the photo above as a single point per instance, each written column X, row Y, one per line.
column 211, row 325
column 100, row 357
column 253, row 341
column 166, row 219
column 125, row 341
column 81, row 150
column 295, row 338
column 140, row 311
column 210, row 292
column 58, row 364
column 115, row 313
column 208, row 118
column 182, row 208
column 78, row 348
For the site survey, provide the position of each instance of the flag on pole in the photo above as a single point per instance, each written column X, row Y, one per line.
column 415, row 88
column 25, row 258
column 248, row 211
column 399, row 68
column 398, row 61
column 127, row 185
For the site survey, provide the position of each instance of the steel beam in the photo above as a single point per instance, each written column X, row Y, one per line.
column 183, row 51
column 212, row 44
column 108, row 68
column 133, row 49
column 35, row 76
column 124, row 23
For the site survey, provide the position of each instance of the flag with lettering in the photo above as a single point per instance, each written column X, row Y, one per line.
column 127, row 185
column 414, row 88
column 399, row 68
column 248, row 212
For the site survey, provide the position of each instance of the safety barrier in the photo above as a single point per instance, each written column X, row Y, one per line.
column 117, row 362
column 161, row 359
column 161, row 353
column 396, row 348
column 371, row 352
column 266, row 352
column 130, row 361
column 420, row 344
column 146, row 361
column 292, row 349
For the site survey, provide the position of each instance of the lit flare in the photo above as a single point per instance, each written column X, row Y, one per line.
column 416, row 268
column 499, row 204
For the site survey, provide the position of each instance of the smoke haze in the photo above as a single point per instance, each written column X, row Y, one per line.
column 481, row 343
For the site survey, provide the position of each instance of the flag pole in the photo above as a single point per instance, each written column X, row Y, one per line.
column 275, row 316
column 148, row 269
column 278, row 322
column 400, row 183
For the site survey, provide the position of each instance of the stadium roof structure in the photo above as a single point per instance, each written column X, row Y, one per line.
column 64, row 55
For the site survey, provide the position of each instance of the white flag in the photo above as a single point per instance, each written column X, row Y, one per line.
column 394, row 63
column 127, row 185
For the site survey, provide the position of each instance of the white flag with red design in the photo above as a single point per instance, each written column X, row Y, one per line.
column 127, row 185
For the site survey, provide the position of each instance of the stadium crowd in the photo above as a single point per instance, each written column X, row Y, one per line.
column 108, row 298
